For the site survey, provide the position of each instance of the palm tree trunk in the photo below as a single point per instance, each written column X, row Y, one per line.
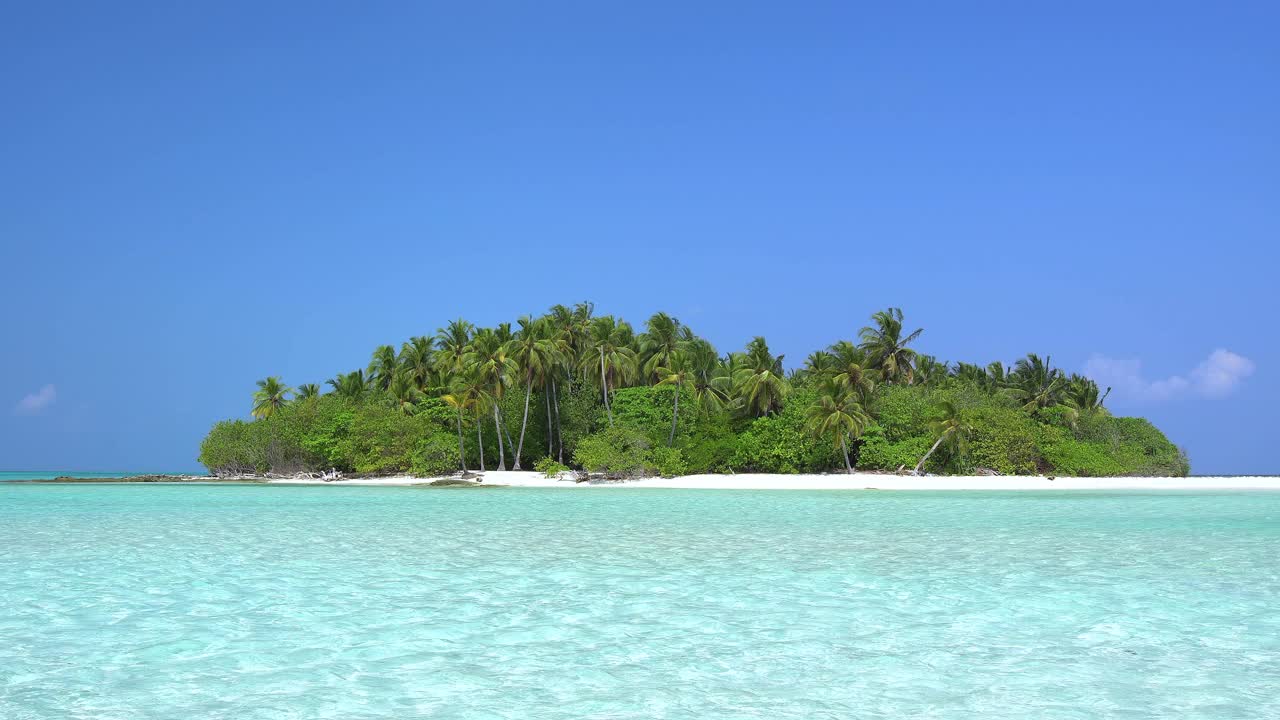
column 480, row 439
column 502, row 453
column 550, row 438
column 528, row 388
column 848, row 467
column 936, row 443
column 604, row 389
column 462, row 453
column 555, row 402
column 506, row 432
column 675, row 414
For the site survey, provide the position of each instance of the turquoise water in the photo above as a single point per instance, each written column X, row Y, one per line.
column 138, row 602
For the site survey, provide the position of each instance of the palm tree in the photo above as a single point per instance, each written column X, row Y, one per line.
column 1081, row 393
column 383, row 367
column 611, row 341
column 451, row 347
column 460, row 399
column 307, row 391
column 404, row 394
column 711, row 383
column 838, row 412
column 1035, row 383
column 678, row 373
column 887, row 347
column 928, row 371
column 818, row 365
column 661, row 339
column 487, row 361
column 351, row 386
column 849, row 369
column 270, row 396
column 534, row 354
column 951, row 429
column 760, row 380
column 416, row 360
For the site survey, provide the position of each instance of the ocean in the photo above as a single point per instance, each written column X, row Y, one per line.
column 206, row 601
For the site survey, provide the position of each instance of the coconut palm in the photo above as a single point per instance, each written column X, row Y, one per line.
column 451, row 345
column 759, row 379
column 679, row 372
column 1081, row 393
column 417, row 358
column 534, row 354
column 1035, row 383
column 711, row 385
column 383, row 366
column 839, row 414
column 928, row 371
column 460, row 399
column 404, row 394
column 307, row 391
column 610, row 342
column 849, row 369
column 351, row 386
column 272, row 394
column 487, row 361
column 950, row 428
column 817, row 366
column 887, row 347
column 661, row 339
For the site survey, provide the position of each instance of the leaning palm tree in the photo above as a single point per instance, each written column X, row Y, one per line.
column 838, row 413
column 272, row 394
column 887, row 347
column 679, row 373
column 1081, row 393
column 307, row 391
column 759, row 379
column 383, row 366
column 534, row 354
column 951, row 428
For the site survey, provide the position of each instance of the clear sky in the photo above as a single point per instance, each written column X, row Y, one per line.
column 196, row 195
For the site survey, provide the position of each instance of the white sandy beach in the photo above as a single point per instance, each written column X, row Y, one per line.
column 857, row 481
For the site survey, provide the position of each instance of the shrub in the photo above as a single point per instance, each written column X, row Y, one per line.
column 619, row 450
column 550, row 468
column 667, row 461
column 434, row 455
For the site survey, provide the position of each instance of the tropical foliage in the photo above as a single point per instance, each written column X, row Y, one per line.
column 572, row 387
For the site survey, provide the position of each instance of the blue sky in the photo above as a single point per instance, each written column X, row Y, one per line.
column 194, row 196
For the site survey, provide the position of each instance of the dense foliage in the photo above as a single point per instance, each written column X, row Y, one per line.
column 574, row 389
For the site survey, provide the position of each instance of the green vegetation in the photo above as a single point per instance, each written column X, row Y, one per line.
column 571, row 388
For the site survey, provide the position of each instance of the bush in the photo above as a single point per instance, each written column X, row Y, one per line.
column 618, row 450
column 878, row 453
column 782, row 444
column 550, row 468
column 667, row 461
column 434, row 455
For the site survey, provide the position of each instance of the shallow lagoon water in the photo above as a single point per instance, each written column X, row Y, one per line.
column 153, row 601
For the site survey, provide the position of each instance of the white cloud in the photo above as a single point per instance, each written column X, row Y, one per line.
column 1217, row 376
column 36, row 402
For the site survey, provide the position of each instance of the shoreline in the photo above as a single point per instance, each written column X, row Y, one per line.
column 745, row 481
